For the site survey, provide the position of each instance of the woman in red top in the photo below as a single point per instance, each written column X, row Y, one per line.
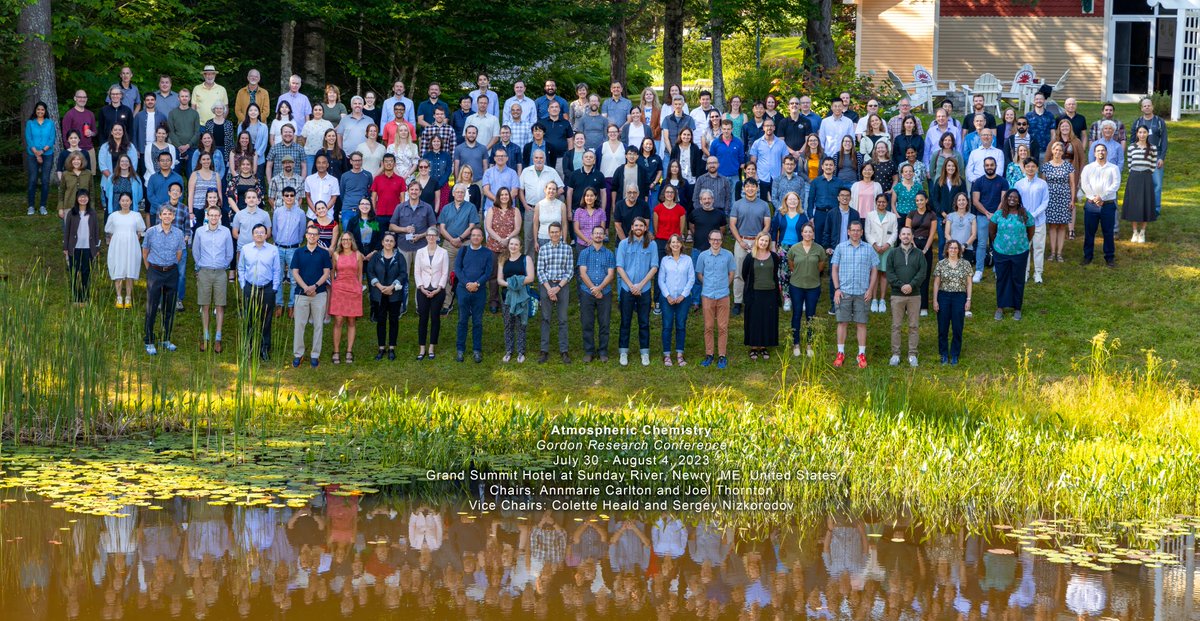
column 670, row 218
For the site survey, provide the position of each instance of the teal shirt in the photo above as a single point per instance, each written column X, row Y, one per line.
column 1011, row 233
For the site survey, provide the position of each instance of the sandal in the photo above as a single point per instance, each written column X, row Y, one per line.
column 679, row 360
column 766, row 355
column 349, row 357
column 336, row 358
column 754, row 355
column 667, row 360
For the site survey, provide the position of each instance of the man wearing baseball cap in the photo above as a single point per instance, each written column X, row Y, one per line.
column 207, row 94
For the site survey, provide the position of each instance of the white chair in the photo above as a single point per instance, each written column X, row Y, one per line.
column 1024, row 84
column 988, row 86
column 916, row 99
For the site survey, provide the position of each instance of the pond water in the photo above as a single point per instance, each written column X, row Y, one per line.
column 387, row 556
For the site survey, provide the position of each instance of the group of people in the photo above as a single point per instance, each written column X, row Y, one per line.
column 630, row 204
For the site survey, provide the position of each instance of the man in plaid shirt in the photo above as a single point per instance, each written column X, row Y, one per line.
column 522, row 130
column 442, row 129
column 555, row 264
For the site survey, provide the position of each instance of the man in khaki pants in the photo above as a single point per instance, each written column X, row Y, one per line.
column 906, row 268
column 311, row 270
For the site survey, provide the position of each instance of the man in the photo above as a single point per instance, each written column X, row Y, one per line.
column 853, row 272
column 441, row 128
column 896, row 123
column 933, row 138
column 212, row 251
column 311, row 269
column 389, row 105
column 287, row 225
column 814, row 119
column 158, row 186
column 287, row 147
column 471, row 153
column 860, row 126
column 253, row 93
column 558, row 131
column 752, row 128
column 455, row 223
column 537, row 142
column 499, row 176
column 245, row 220
column 206, row 94
column 767, row 154
column 593, row 124
column 750, row 216
column 1035, row 196
column 977, row 109
column 458, row 120
column 129, row 91
column 185, row 222
column 637, row 263
column 835, row 127
column 972, row 140
column 410, row 220
column 511, row 148
column 321, row 187
column 183, row 130
column 543, row 103
column 597, row 270
column 492, row 105
column 352, row 129
column 586, row 176
column 554, row 261
column 982, row 153
column 1158, row 137
column 426, row 109
column 794, row 128
column 706, row 217
column 720, row 188
column 387, row 190
column 259, row 277
column 354, row 186
column 528, row 112
column 287, row 179
column 628, row 210
column 1078, row 121
column 486, row 124
column 145, row 124
column 115, row 113
column 675, row 122
column 1106, row 114
column 520, row 131
column 836, row 228
column 789, row 181
column 1099, row 181
column 162, row 250
column 1021, row 136
column 616, row 108
column 82, row 120
column 715, row 269
column 301, row 106
column 730, row 152
column 699, row 114
column 533, row 189
column 847, row 107
column 823, row 194
column 906, row 269
column 987, row 195
column 166, row 98
column 1041, row 121
column 473, row 267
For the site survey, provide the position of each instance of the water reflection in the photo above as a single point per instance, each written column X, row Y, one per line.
column 372, row 557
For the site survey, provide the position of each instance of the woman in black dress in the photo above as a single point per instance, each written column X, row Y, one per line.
column 760, row 271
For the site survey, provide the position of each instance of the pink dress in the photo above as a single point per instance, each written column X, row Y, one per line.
column 346, row 297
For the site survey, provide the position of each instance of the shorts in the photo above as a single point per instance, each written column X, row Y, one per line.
column 211, row 287
column 853, row 308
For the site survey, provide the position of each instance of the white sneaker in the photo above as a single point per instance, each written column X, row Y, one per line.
column 787, row 305
column 30, row 213
column 809, row 351
column 645, row 360
column 874, row 306
column 42, row 210
column 924, row 312
column 1142, row 236
column 894, row 361
column 795, row 351
column 1037, row 278
column 883, row 306
column 978, row 277
column 624, row 359
column 1134, row 238
column 912, row 361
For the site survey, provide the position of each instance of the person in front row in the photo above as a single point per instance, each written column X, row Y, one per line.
column 312, row 269
column 554, row 262
column 597, row 271
column 715, row 269
column 162, row 250
column 259, row 277
column 637, row 261
column 212, row 251
column 472, row 267
column 906, row 269
column 854, row 272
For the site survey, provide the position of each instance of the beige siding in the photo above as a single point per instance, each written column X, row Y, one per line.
column 970, row 46
column 896, row 35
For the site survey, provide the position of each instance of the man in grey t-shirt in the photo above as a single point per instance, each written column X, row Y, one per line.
column 750, row 216
column 593, row 125
column 470, row 153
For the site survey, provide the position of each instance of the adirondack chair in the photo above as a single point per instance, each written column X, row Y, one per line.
column 1024, row 84
column 988, row 86
column 916, row 99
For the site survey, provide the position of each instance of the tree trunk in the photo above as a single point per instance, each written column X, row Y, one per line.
column 618, row 47
column 314, row 54
column 37, row 59
column 820, row 34
column 287, row 36
column 673, row 45
column 718, row 76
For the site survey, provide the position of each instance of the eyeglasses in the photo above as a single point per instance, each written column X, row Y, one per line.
column 423, row 166
column 872, row 105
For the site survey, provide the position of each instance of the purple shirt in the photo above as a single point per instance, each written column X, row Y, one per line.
column 301, row 108
column 586, row 223
column 74, row 119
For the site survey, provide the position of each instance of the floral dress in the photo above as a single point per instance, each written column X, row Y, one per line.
column 1061, row 203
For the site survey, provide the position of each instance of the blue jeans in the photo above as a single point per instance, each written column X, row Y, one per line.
column 694, row 298
column 982, row 242
column 39, row 174
column 733, row 181
column 1157, row 175
column 1104, row 217
column 951, row 311
column 804, row 304
column 470, row 311
column 182, row 265
column 631, row 304
column 285, row 263
column 310, row 159
column 674, row 320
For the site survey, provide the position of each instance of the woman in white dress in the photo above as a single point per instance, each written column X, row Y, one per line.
column 372, row 150
column 313, row 135
column 405, row 151
column 124, row 229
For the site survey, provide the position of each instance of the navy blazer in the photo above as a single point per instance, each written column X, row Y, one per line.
column 139, row 137
column 831, row 235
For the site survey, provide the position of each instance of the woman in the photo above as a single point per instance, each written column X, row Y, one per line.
column 908, row 138
column 440, row 163
column 72, row 146
column 812, row 155
column 760, row 272
column 1060, row 179
column 948, row 151
column 711, row 132
column 949, row 183
column 904, row 194
column 372, row 150
column 388, row 274
column 1006, row 127
column 579, row 107
column 466, row 178
column 1141, row 158
column 771, row 109
column 885, row 169
column 573, row 159
column 222, row 128
column 81, row 243
column 431, row 272
column 406, row 154
column 333, row 152
column 40, row 138
column 117, row 145
column 786, row 228
column 327, row 226
column 244, row 181
column 313, row 136
column 208, row 145
column 124, row 181
column 920, row 171
column 652, row 165
column 1075, row 154
column 259, row 134
column 631, row 174
column 345, row 298
column 332, row 102
column 635, row 129
column 923, row 223
column 364, row 229
column 847, row 161
column 76, row 177
column 674, row 177
column 1013, row 172
column 864, row 191
column 588, row 216
column 514, row 274
column 875, row 135
column 881, row 228
column 204, row 179
column 548, row 211
column 650, row 107
column 806, row 260
column 124, row 229
column 1011, row 228
column 668, row 218
column 242, row 150
column 160, row 145
column 676, row 276
column 501, row 223
column 951, row 299
column 736, row 114
column 960, row 226
column 370, row 110
column 283, row 116
column 688, row 155
column 611, row 157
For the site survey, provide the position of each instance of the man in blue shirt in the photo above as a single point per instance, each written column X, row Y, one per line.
column 355, row 184
column 311, row 269
column 987, row 194
column 715, row 270
column 259, row 277
column 543, row 103
column 159, row 185
column 854, row 270
column 597, row 270
column 767, row 153
column 162, row 250
column 731, row 156
column 212, row 250
column 473, row 267
column 637, row 261
column 288, row 224
column 822, row 194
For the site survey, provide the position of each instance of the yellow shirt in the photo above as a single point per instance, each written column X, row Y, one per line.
column 203, row 99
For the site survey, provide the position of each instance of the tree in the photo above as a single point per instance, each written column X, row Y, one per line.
column 618, row 47
column 716, row 31
column 819, row 31
column 287, row 38
column 37, row 57
column 673, row 44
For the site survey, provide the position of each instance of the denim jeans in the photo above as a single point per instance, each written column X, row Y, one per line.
column 694, row 298
column 38, row 174
column 982, row 242
column 674, row 322
column 285, row 263
column 631, row 304
column 182, row 267
column 1157, row 175
column 470, row 313
column 951, row 311
column 804, row 306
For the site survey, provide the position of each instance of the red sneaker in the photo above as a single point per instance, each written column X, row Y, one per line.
column 840, row 360
column 862, row 361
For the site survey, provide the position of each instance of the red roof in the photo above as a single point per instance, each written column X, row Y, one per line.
column 1019, row 8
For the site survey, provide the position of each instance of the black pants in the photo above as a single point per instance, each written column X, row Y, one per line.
column 429, row 317
column 387, row 320
column 1106, row 219
column 80, row 266
column 258, row 309
column 950, row 317
column 160, row 291
column 596, row 316
column 924, row 286
column 631, row 305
